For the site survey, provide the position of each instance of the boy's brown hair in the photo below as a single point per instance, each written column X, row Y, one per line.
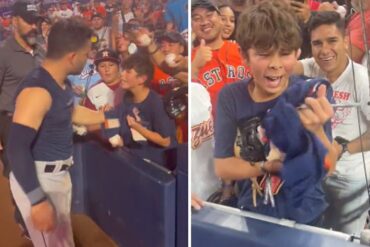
column 269, row 24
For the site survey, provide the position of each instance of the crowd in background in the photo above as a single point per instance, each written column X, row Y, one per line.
column 118, row 26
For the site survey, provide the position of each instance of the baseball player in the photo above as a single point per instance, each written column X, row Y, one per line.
column 40, row 138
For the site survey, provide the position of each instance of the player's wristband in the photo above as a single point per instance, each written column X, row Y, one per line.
column 39, row 201
column 111, row 124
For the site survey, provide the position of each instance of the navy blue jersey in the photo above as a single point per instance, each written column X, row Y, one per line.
column 54, row 139
column 236, row 106
column 150, row 114
column 301, row 197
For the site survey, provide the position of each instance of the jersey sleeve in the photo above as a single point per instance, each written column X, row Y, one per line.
column 162, row 124
column 225, row 125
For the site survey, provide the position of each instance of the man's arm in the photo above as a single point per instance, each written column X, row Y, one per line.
column 31, row 112
column 28, row 116
column 202, row 56
column 84, row 116
column 233, row 168
column 179, row 71
column 354, row 146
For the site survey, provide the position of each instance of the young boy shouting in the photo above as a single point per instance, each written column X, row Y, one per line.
column 268, row 103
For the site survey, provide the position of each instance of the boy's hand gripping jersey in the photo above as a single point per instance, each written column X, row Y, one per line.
column 303, row 166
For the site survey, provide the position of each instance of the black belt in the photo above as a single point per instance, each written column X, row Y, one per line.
column 51, row 168
column 6, row 113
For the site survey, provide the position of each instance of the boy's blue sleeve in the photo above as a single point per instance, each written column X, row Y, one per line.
column 161, row 122
column 124, row 130
column 225, row 125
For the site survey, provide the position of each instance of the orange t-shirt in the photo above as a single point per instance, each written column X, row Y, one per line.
column 162, row 82
column 226, row 66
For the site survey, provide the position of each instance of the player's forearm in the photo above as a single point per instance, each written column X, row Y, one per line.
column 233, row 168
column 154, row 136
column 20, row 156
column 84, row 116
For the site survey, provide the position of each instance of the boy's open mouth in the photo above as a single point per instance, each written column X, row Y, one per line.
column 273, row 81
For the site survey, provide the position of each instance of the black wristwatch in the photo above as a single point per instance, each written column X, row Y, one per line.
column 344, row 143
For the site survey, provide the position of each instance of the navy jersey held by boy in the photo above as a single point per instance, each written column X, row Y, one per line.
column 301, row 198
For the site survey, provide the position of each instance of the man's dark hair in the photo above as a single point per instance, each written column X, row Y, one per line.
column 327, row 18
column 141, row 63
column 67, row 35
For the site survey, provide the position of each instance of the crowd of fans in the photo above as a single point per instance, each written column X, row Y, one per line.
column 157, row 30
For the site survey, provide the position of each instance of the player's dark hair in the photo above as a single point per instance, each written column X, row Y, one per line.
column 67, row 35
column 327, row 18
column 141, row 63
column 269, row 24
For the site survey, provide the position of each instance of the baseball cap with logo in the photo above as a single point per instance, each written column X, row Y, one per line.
column 27, row 11
column 205, row 4
column 107, row 55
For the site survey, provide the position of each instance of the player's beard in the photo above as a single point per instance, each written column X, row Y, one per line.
column 30, row 38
